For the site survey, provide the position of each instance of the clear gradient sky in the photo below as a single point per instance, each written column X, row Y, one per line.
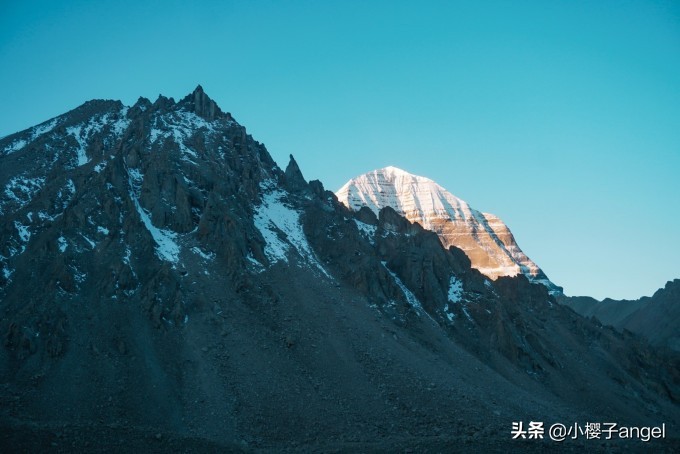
column 561, row 117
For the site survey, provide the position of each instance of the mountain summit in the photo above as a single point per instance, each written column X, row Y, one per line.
column 484, row 238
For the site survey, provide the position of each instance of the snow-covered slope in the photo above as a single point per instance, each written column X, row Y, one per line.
column 486, row 240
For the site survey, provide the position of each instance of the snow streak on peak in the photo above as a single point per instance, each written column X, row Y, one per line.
column 485, row 239
column 393, row 172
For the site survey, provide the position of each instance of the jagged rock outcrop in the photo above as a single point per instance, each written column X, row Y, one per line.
column 294, row 180
column 201, row 104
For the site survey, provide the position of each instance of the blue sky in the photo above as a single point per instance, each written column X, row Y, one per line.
column 562, row 118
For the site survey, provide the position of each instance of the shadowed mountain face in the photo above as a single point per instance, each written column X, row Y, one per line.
column 166, row 286
column 657, row 318
column 484, row 238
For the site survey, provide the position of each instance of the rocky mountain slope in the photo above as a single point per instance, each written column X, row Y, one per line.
column 657, row 318
column 484, row 238
column 165, row 286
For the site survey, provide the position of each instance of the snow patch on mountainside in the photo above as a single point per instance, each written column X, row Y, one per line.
column 7, row 272
column 281, row 228
column 82, row 134
column 61, row 241
column 166, row 246
column 43, row 128
column 21, row 191
column 203, row 255
column 120, row 125
column 35, row 132
column 410, row 297
column 24, row 233
column 455, row 290
column 15, row 146
column 180, row 127
column 367, row 230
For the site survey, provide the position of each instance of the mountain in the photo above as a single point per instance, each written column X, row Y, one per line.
column 657, row 318
column 484, row 238
column 167, row 287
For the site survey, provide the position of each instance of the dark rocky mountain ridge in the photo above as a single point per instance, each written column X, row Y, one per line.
column 165, row 285
column 656, row 318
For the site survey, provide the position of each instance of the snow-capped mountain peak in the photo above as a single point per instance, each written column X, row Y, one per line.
column 410, row 195
column 485, row 239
